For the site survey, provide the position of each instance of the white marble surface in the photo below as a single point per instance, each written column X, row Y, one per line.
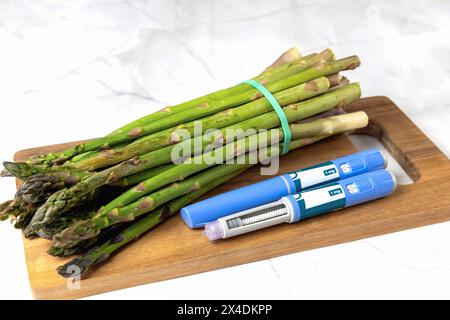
column 76, row 69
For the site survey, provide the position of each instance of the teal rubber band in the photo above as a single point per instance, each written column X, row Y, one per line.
column 276, row 106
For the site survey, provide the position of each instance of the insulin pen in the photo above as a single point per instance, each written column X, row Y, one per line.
column 197, row 214
column 313, row 202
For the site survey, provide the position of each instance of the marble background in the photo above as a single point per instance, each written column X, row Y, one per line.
column 71, row 70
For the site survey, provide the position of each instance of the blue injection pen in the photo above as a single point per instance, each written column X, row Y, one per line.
column 197, row 214
column 310, row 203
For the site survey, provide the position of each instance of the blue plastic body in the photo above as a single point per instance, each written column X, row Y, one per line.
column 358, row 163
column 197, row 214
column 370, row 186
column 359, row 189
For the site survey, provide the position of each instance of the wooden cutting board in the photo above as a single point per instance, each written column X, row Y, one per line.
column 173, row 250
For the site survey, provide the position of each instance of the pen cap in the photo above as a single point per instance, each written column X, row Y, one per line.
column 198, row 214
column 361, row 162
column 368, row 186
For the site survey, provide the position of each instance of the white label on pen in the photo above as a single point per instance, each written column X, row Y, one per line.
column 318, row 197
column 321, row 200
column 326, row 172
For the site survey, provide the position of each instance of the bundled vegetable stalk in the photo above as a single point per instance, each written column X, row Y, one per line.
column 97, row 196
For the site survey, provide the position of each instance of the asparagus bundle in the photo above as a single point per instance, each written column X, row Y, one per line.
column 99, row 195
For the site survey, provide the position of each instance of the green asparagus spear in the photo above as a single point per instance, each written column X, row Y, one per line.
column 134, row 179
column 63, row 222
column 82, row 212
column 88, row 244
column 3, row 209
column 38, row 187
column 24, row 170
column 19, row 211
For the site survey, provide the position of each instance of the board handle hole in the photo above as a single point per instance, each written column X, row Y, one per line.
column 363, row 142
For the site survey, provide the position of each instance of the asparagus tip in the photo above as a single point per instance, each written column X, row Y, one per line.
column 75, row 234
column 80, row 266
column 18, row 169
column 8, row 170
column 5, row 173
column 71, row 268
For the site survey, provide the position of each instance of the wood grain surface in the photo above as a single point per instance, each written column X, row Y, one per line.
column 173, row 250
